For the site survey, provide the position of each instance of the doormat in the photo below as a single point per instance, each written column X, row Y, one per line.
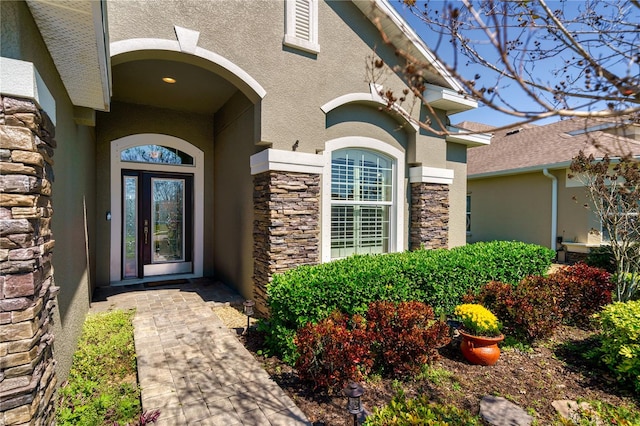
column 166, row 282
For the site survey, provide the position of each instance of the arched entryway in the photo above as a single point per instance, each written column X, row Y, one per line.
column 175, row 97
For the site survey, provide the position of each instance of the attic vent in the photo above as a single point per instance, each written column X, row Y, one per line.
column 514, row 131
column 301, row 26
column 303, row 18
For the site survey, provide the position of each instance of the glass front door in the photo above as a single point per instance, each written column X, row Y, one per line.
column 157, row 226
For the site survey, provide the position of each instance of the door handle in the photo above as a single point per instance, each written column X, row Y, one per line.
column 146, row 232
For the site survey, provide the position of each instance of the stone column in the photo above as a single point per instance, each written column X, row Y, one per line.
column 286, row 226
column 27, row 290
column 429, row 216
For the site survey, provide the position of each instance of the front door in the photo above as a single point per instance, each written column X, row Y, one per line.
column 157, row 231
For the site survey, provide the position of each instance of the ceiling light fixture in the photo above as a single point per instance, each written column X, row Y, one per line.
column 169, row 80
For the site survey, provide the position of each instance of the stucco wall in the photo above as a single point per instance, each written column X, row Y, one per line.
column 511, row 208
column 518, row 207
column 233, row 195
column 574, row 219
column 457, row 161
column 128, row 119
column 73, row 187
column 297, row 83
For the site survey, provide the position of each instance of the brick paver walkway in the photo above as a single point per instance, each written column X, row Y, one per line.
column 190, row 366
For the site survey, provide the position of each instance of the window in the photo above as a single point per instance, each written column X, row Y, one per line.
column 361, row 202
column 622, row 221
column 156, row 154
column 468, row 214
column 301, row 26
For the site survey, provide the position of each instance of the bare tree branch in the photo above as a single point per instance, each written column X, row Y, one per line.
column 591, row 49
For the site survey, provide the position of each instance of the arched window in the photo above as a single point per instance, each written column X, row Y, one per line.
column 362, row 196
column 156, row 154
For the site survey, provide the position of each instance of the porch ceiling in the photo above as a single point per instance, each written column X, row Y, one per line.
column 196, row 90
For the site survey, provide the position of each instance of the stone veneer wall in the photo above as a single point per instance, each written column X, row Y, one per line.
column 27, row 290
column 429, row 216
column 572, row 257
column 286, row 226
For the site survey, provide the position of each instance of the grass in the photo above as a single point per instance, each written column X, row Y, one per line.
column 102, row 386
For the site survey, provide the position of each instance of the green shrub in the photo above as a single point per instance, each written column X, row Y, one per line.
column 100, row 390
column 438, row 278
column 601, row 257
column 420, row 411
column 620, row 340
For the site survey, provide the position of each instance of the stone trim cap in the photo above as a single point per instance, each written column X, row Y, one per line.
column 286, row 161
column 430, row 175
column 21, row 79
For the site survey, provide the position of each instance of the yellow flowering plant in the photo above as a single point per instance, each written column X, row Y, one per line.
column 477, row 320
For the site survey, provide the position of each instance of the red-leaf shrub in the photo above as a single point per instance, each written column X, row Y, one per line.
column 398, row 338
column 405, row 336
column 334, row 351
column 585, row 290
column 527, row 311
column 539, row 309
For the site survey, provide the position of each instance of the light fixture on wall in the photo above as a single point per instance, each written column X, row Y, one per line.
column 169, row 80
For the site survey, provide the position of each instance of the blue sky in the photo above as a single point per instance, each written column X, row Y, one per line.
column 484, row 114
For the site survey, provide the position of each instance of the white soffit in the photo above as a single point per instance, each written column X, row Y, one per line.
column 75, row 32
column 448, row 100
column 477, row 139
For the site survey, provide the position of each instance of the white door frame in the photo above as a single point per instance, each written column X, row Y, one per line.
column 119, row 145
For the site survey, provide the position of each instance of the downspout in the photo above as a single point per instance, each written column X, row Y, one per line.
column 554, row 208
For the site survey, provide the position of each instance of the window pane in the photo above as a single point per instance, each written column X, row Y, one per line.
column 361, row 175
column 167, row 220
column 362, row 196
column 156, row 154
column 468, row 213
column 359, row 230
column 130, row 227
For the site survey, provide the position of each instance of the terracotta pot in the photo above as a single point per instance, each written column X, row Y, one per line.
column 480, row 350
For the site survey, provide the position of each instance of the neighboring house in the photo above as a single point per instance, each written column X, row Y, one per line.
column 520, row 186
column 155, row 140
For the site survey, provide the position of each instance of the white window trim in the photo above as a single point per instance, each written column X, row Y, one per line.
column 397, row 230
column 290, row 38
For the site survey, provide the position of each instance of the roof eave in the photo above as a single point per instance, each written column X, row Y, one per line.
column 81, row 56
column 395, row 26
column 522, row 170
column 470, row 140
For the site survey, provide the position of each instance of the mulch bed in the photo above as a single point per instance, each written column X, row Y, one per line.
column 553, row 370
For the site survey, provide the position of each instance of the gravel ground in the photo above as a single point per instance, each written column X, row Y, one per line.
column 233, row 317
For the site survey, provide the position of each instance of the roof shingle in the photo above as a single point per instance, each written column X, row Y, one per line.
column 531, row 147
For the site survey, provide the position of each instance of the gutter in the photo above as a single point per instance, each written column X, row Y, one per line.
column 530, row 169
column 554, row 207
